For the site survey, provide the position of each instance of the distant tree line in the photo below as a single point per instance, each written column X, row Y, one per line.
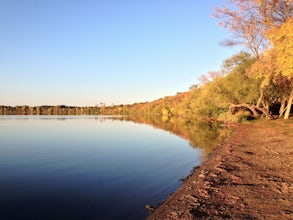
column 48, row 110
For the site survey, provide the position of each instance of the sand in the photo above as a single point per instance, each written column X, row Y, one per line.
column 249, row 176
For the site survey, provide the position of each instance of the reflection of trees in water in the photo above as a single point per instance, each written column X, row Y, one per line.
column 200, row 134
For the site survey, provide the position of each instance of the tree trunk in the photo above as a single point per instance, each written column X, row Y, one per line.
column 265, row 112
column 287, row 113
column 282, row 108
column 260, row 98
column 251, row 108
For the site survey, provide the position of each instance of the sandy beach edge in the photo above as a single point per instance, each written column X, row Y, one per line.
column 249, row 176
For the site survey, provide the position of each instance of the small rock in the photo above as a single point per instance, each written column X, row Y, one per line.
column 150, row 208
column 201, row 175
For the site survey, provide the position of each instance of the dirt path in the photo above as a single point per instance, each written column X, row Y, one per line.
column 250, row 176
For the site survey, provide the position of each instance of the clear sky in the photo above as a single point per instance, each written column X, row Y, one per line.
column 83, row 52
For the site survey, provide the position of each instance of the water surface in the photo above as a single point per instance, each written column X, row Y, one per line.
column 87, row 167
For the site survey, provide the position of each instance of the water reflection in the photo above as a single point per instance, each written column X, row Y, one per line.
column 89, row 167
column 60, row 117
column 204, row 135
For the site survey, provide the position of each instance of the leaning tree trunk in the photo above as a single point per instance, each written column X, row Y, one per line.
column 287, row 113
column 244, row 105
column 253, row 109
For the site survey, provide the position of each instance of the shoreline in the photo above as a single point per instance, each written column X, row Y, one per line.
column 249, row 176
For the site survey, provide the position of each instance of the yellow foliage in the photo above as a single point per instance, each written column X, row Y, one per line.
column 282, row 52
column 277, row 61
column 165, row 111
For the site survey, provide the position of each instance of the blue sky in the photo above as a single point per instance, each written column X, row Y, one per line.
column 83, row 52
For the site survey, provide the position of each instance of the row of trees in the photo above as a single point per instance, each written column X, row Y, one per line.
column 48, row 110
column 257, row 81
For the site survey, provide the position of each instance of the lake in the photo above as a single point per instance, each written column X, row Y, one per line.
column 75, row 167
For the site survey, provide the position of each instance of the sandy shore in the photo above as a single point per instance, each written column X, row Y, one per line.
column 250, row 176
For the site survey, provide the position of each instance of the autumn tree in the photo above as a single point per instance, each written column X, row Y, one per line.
column 238, row 89
column 275, row 12
column 248, row 21
column 231, row 90
column 281, row 55
column 243, row 19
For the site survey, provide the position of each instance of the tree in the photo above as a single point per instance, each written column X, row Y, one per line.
column 240, row 90
column 248, row 20
column 282, row 53
column 275, row 66
column 244, row 21
column 231, row 90
column 275, row 12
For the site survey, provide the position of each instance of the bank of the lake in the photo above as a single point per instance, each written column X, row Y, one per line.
column 250, row 176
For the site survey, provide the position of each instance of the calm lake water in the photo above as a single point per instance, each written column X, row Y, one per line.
column 87, row 167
